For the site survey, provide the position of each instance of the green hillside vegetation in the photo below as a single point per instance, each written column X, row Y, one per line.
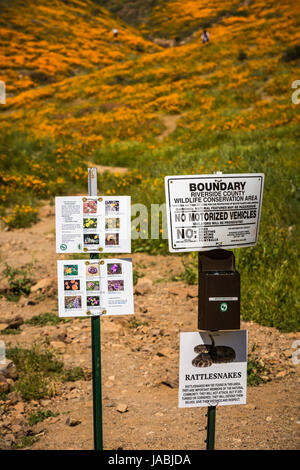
column 232, row 99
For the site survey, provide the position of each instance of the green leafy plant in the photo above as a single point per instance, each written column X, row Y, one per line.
column 11, row 331
column 255, row 369
column 32, row 386
column 21, row 216
column 254, row 372
column 38, row 369
column 136, row 276
column 134, row 322
column 36, row 359
column 26, row 441
column 74, row 374
column 47, row 318
column 40, row 415
column 189, row 276
column 19, row 280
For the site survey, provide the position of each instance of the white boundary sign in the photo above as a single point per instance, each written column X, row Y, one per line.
column 213, row 211
column 211, row 377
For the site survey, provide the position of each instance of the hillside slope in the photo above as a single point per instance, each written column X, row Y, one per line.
column 231, row 97
column 44, row 42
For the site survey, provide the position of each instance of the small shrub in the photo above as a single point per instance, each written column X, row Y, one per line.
column 40, row 415
column 19, row 282
column 32, row 386
column 3, row 396
column 11, row 331
column 254, row 372
column 36, row 368
column 242, row 56
column 133, row 322
column 35, row 359
column 22, row 216
column 189, row 276
column 47, row 318
column 136, row 276
column 72, row 375
column 26, row 441
column 291, row 53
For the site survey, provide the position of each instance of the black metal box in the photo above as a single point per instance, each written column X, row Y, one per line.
column 219, row 291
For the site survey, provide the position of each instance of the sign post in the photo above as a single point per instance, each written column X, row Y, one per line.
column 96, row 287
column 96, row 344
column 207, row 213
column 211, row 421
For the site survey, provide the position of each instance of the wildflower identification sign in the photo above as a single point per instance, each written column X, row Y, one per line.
column 95, row 287
column 213, row 211
column 93, row 224
column 213, row 369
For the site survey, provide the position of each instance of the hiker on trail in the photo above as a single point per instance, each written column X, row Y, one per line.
column 115, row 32
column 205, row 36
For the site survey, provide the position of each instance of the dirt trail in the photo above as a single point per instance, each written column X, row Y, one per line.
column 110, row 169
column 140, row 366
column 170, row 123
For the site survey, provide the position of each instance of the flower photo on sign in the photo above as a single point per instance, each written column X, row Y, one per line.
column 111, row 239
column 90, row 206
column 73, row 284
column 92, row 285
column 73, row 301
column 114, row 268
column 93, row 301
column 92, row 270
column 112, row 223
column 71, row 270
column 115, row 286
column 90, row 223
column 112, row 206
column 91, row 239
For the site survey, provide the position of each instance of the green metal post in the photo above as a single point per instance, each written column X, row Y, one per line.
column 97, row 392
column 96, row 344
column 211, row 421
column 211, row 410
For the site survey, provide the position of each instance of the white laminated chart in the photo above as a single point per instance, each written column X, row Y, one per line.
column 213, row 369
column 95, row 287
column 93, row 224
column 213, row 211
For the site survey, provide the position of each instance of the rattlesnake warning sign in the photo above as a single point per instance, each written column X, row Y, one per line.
column 213, row 369
column 213, row 211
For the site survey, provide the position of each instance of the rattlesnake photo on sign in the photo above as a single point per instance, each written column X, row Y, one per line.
column 217, row 375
